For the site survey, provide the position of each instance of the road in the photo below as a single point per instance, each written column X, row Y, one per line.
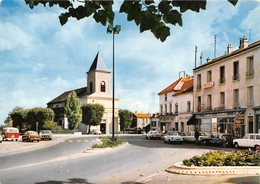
column 139, row 161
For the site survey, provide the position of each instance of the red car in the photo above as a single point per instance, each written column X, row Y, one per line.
column 31, row 136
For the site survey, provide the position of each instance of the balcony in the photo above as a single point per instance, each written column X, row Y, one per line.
column 198, row 87
column 222, row 80
column 250, row 73
column 236, row 77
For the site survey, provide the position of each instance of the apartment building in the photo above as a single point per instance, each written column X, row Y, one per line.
column 227, row 91
column 176, row 105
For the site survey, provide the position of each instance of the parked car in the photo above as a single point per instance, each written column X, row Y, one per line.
column 10, row 133
column 218, row 139
column 173, row 137
column 96, row 132
column 46, row 135
column 31, row 136
column 190, row 136
column 248, row 141
column 1, row 138
column 153, row 135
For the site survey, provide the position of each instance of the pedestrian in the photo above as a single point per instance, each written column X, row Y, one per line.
column 196, row 135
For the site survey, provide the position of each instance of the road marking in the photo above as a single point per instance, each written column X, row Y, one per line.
column 148, row 178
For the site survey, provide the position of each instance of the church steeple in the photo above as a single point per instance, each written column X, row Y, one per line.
column 98, row 78
column 98, row 64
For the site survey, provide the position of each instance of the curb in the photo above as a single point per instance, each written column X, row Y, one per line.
column 179, row 168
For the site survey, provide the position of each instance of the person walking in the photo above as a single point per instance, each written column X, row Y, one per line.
column 197, row 135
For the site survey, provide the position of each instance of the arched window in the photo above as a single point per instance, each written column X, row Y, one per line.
column 91, row 86
column 103, row 86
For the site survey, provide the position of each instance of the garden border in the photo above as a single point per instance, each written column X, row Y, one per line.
column 180, row 168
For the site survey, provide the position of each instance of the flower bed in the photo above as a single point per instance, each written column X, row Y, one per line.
column 221, row 158
column 107, row 142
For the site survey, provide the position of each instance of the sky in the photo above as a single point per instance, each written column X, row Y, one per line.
column 40, row 59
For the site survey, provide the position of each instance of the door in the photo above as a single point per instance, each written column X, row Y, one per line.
column 250, row 124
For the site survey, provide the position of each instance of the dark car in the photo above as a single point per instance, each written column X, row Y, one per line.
column 31, row 136
column 218, row 139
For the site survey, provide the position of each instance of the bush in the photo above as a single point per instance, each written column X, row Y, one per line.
column 109, row 142
column 221, row 158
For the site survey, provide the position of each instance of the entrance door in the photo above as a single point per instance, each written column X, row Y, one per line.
column 250, row 124
column 103, row 128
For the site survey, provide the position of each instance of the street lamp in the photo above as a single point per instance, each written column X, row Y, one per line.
column 113, row 30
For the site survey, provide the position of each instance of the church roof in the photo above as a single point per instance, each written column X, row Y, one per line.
column 64, row 96
column 98, row 64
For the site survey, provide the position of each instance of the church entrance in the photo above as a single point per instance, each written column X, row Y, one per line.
column 103, row 128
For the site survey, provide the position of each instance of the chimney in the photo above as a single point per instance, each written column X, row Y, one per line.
column 243, row 43
column 229, row 48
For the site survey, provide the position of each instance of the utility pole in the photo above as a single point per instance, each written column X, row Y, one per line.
column 195, row 55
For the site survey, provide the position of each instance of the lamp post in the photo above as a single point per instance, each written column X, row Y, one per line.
column 113, row 30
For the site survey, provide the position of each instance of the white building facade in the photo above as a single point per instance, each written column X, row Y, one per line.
column 227, row 91
column 176, row 106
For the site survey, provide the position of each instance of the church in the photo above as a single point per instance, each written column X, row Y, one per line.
column 96, row 91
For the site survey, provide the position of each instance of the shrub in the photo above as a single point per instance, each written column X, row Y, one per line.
column 221, row 158
column 109, row 142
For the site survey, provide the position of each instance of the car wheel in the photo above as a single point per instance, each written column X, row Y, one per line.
column 204, row 142
column 236, row 145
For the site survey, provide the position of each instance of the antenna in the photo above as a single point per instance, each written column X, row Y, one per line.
column 215, row 45
column 195, row 55
column 249, row 39
column 201, row 58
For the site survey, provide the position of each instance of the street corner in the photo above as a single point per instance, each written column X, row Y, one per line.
column 179, row 168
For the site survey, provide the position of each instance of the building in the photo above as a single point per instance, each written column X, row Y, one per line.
column 97, row 91
column 176, row 105
column 141, row 121
column 227, row 91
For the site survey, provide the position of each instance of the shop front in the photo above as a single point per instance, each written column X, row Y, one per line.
column 229, row 121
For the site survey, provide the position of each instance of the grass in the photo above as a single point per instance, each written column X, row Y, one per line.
column 108, row 142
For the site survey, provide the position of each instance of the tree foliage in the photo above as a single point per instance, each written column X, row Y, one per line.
column 126, row 118
column 155, row 16
column 92, row 114
column 40, row 115
column 18, row 117
column 73, row 110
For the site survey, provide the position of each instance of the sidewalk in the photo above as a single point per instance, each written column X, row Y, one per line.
column 13, row 147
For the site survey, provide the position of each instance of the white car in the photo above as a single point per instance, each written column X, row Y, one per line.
column 172, row 137
column 251, row 140
column 153, row 135
column 190, row 136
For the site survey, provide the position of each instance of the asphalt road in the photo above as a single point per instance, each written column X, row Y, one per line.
column 140, row 161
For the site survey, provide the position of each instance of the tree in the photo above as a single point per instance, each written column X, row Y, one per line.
column 92, row 114
column 155, row 16
column 18, row 117
column 39, row 115
column 73, row 110
column 126, row 118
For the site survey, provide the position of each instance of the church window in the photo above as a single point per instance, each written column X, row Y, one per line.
column 91, row 86
column 103, row 86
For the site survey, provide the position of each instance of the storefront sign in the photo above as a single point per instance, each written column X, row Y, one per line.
column 208, row 85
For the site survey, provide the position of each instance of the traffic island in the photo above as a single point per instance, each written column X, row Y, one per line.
column 180, row 168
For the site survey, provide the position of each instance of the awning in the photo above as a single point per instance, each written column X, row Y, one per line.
column 192, row 120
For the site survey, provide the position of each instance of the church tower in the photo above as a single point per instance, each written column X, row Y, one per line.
column 98, row 78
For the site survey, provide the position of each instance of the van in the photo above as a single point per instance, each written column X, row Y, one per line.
column 10, row 133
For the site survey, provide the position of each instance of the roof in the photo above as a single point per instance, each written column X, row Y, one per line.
column 182, row 85
column 98, row 64
column 186, row 87
column 170, row 88
column 142, row 115
column 64, row 96
column 238, row 51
